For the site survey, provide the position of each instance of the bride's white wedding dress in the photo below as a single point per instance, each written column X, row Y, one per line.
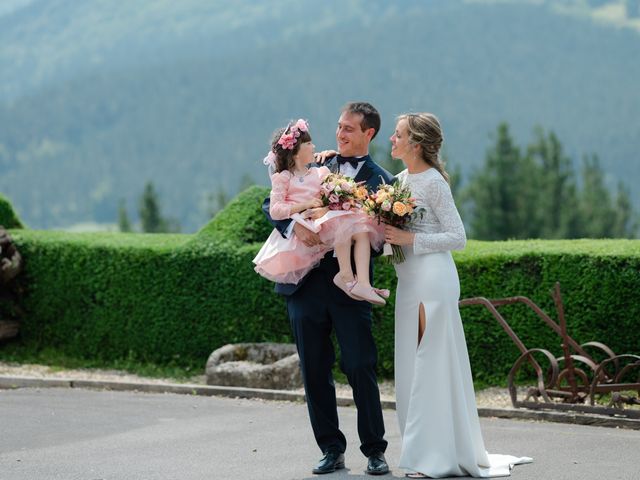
column 435, row 400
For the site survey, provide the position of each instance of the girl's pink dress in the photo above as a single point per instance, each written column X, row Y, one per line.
column 288, row 260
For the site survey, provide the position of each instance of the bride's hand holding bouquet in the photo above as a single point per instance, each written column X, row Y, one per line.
column 394, row 206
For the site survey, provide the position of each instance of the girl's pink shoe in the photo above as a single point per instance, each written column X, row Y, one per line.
column 345, row 286
column 367, row 293
column 383, row 292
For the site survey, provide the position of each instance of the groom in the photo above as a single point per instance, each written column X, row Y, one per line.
column 316, row 307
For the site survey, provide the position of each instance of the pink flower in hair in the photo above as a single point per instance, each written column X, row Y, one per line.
column 287, row 141
column 302, row 125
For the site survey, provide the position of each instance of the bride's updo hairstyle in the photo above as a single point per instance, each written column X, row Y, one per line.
column 285, row 144
column 425, row 130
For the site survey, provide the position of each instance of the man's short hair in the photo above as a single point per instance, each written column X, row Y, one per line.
column 370, row 116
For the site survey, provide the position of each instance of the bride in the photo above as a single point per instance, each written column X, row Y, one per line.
column 435, row 400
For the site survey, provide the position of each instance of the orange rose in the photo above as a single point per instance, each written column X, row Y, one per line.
column 400, row 209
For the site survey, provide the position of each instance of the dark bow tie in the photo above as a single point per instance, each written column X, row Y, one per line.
column 353, row 161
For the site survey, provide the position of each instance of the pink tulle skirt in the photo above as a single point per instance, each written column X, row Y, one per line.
column 288, row 260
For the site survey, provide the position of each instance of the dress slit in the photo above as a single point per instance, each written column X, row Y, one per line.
column 422, row 323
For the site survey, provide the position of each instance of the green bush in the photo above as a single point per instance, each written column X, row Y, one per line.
column 172, row 299
column 142, row 297
column 241, row 221
column 8, row 216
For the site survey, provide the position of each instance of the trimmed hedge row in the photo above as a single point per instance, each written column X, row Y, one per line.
column 172, row 299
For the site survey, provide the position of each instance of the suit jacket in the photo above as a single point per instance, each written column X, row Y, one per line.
column 373, row 175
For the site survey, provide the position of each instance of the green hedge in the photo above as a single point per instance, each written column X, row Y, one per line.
column 8, row 216
column 172, row 299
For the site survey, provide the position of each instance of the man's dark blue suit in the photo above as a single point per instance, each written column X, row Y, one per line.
column 316, row 307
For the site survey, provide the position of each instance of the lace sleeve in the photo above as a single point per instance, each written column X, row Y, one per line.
column 280, row 208
column 452, row 236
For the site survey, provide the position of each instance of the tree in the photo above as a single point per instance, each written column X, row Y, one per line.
column 625, row 224
column 597, row 216
column 455, row 176
column 151, row 219
column 383, row 158
column 503, row 193
column 215, row 201
column 124, row 225
column 557, row 212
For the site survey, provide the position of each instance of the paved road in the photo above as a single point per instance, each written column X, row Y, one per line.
column 69, row 434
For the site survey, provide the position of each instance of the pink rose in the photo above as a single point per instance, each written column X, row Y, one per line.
column 287, row 141
column 386, row 205
column 333, row 198
column 346, row 206
column 302, row 125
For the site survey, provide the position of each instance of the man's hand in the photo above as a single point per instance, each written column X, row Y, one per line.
column 324, row 156
column 316, row 213
column 306, row 236
column 313, row 203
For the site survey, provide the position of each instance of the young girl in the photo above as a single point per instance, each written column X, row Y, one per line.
column 295, row 194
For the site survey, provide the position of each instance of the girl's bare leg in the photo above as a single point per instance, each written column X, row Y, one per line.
column 362, row 254
column 343, row 253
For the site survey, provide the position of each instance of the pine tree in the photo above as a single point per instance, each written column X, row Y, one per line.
column 124, row 225
column 503, row 193
column 455, row 176
column 215, row 201
column 597, row 216
column 557, row 212
column 149, row 210
column 382, row 156
column 624, row 225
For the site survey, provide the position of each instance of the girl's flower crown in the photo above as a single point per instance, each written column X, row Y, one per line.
column 290, row 136
column 288, row 139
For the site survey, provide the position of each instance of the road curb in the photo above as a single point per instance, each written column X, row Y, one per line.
column 9, row 382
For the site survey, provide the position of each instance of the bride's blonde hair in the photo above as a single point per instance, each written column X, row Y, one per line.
column 425, row 130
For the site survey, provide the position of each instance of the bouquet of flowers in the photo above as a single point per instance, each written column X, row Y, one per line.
column 342, row 193
column 393, row 205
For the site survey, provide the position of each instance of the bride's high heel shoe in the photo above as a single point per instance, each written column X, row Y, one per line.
column 415, row 475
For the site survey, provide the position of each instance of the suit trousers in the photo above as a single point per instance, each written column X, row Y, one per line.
column 316, row 309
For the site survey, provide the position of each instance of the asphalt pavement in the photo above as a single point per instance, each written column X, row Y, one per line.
column 76, row 434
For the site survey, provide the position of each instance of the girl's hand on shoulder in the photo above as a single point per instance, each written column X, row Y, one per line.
column 324, row 156
column 396, row 236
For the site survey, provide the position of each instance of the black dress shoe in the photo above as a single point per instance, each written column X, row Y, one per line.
column 331, row 462
column 377, row 465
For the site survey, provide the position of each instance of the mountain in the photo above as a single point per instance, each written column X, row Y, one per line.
column 98, row 97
